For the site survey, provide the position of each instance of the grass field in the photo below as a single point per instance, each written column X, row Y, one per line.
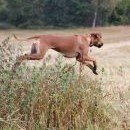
column 53, row 97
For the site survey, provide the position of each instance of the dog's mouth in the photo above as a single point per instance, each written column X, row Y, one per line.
column 91, row 45
column 99, row 45
column 96, row 45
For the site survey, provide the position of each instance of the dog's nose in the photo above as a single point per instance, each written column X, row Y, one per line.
column 101, row 44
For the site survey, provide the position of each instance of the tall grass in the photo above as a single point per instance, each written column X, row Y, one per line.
column 50, row 97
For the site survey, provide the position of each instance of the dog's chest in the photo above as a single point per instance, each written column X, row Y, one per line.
column 71, row 55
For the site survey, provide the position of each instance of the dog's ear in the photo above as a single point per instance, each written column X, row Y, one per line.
column 96, row 35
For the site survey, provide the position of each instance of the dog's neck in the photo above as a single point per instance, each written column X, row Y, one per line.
column 90, row 40
column 88, row 37
column 91, row 43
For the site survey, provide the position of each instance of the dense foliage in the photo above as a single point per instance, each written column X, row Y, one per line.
column 63, row 13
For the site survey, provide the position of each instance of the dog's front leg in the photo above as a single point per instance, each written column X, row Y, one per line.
column 84, row 60
column 91, row 67
column 88, row 58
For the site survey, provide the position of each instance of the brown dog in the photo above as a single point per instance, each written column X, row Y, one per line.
column 70, row 46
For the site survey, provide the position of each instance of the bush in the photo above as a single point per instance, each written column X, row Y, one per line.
column 49, row 97
column 6, row 26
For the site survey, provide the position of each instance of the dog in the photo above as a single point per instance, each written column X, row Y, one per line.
column 75, row 46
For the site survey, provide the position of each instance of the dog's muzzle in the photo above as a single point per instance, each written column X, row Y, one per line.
column 99, row 45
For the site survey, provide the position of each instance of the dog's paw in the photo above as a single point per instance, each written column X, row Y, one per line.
column 95, row 72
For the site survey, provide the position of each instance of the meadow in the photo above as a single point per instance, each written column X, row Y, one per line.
column 51, row 94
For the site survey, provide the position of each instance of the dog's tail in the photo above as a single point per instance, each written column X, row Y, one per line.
column 29, row 38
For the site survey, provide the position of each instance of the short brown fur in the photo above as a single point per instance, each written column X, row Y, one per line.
column 70, row 46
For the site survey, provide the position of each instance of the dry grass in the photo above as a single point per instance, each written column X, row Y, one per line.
column 110, row 34
column 125, row 49
column 49, row 97
column 113, row 66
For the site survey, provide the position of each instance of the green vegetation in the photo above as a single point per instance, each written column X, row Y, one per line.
column 50, row 97
column 63, row 13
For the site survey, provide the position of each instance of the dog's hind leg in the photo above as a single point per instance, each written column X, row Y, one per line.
column 34, row 48
column 37, row 52
column 40, row 52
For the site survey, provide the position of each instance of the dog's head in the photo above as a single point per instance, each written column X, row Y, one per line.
column 96, row 40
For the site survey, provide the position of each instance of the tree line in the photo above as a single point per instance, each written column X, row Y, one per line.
column 63, row 13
